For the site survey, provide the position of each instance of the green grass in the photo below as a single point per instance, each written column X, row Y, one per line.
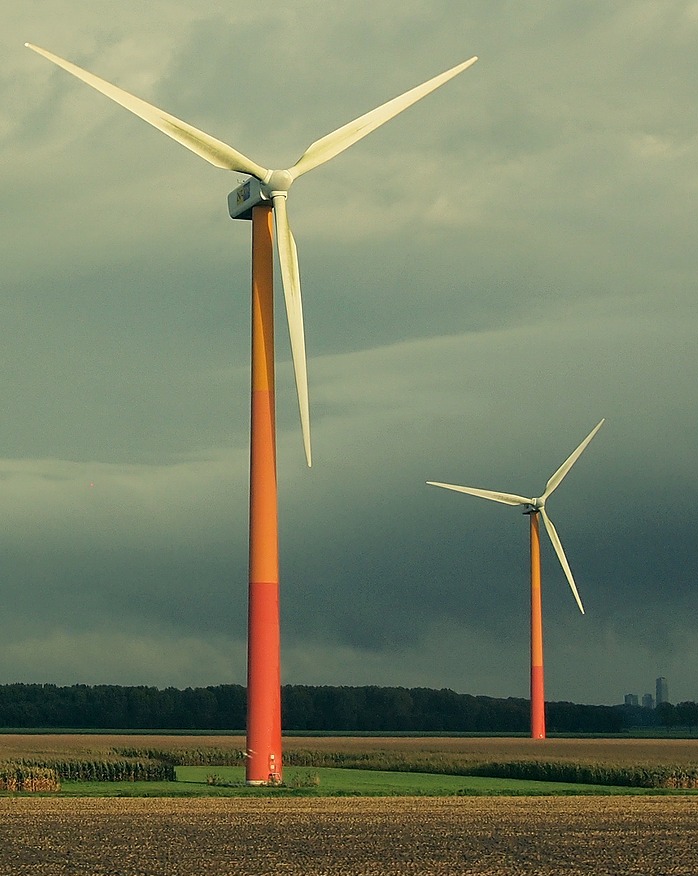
column 345, row 782
column 335, row 782
column 121, row 789
column 300, row 782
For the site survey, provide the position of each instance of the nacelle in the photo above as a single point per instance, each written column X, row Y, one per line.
column 246, row 196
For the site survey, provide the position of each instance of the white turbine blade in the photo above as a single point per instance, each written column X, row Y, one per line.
column 557, row 544
column 214, row 151
column 555, row 480
column 290, row 276
column 327, row 147
column 504, row 498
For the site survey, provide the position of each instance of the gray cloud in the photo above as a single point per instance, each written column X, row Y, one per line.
column 484, row 279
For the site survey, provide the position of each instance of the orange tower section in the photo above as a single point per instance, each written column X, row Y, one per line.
column 537, row 685
column 263, row 765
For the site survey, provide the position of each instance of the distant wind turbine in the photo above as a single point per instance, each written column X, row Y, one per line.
column 265, row 192
column 534, row 507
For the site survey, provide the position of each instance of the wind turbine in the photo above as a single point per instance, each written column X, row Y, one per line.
column 264, row 193
column 534, row 507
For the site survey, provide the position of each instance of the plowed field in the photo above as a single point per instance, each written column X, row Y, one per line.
column 653, row 836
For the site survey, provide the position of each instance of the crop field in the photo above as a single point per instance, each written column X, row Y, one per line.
column 624, row 752
column 682, row 752
column 350, row 835
column 632, row 763
column 652, row 836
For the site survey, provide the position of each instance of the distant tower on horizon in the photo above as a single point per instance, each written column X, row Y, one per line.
column 662, row 690
column 631, row 700
column 647, row 701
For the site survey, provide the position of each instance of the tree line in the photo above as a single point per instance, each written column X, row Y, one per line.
column 361, row 709
column 680, row 715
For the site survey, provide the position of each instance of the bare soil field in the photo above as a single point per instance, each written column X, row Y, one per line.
column 622, row 751
column 652, row 836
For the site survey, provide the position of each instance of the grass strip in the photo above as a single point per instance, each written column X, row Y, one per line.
column 336, row 782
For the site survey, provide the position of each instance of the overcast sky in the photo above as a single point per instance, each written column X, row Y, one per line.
column 484, row 279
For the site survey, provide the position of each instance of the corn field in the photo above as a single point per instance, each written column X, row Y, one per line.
column 594, row 762
column 19, row 777
column 648, row 763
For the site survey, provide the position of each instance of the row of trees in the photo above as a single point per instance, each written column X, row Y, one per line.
column 378, row 709
column 81, row 706
column 422, row 709
column 681, row 715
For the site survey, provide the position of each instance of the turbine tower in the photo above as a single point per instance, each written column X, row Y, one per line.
column 533, row 507
column 263, row 194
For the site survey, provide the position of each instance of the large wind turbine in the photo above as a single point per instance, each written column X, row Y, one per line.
column 534, row 507
column 265, row 192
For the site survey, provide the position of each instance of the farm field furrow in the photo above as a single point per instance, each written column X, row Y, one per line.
column 352, row 837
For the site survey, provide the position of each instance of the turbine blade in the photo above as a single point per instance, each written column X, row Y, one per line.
column 556, row 479
column 290, row 276
column 327, row 147
column 557, row 544
column 214, row 151
column 504, row 498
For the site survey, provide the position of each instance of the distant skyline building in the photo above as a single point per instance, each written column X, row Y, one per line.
column 662, row 690
column 648, row 701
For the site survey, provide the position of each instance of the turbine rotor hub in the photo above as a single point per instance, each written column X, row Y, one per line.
column 277, row 182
